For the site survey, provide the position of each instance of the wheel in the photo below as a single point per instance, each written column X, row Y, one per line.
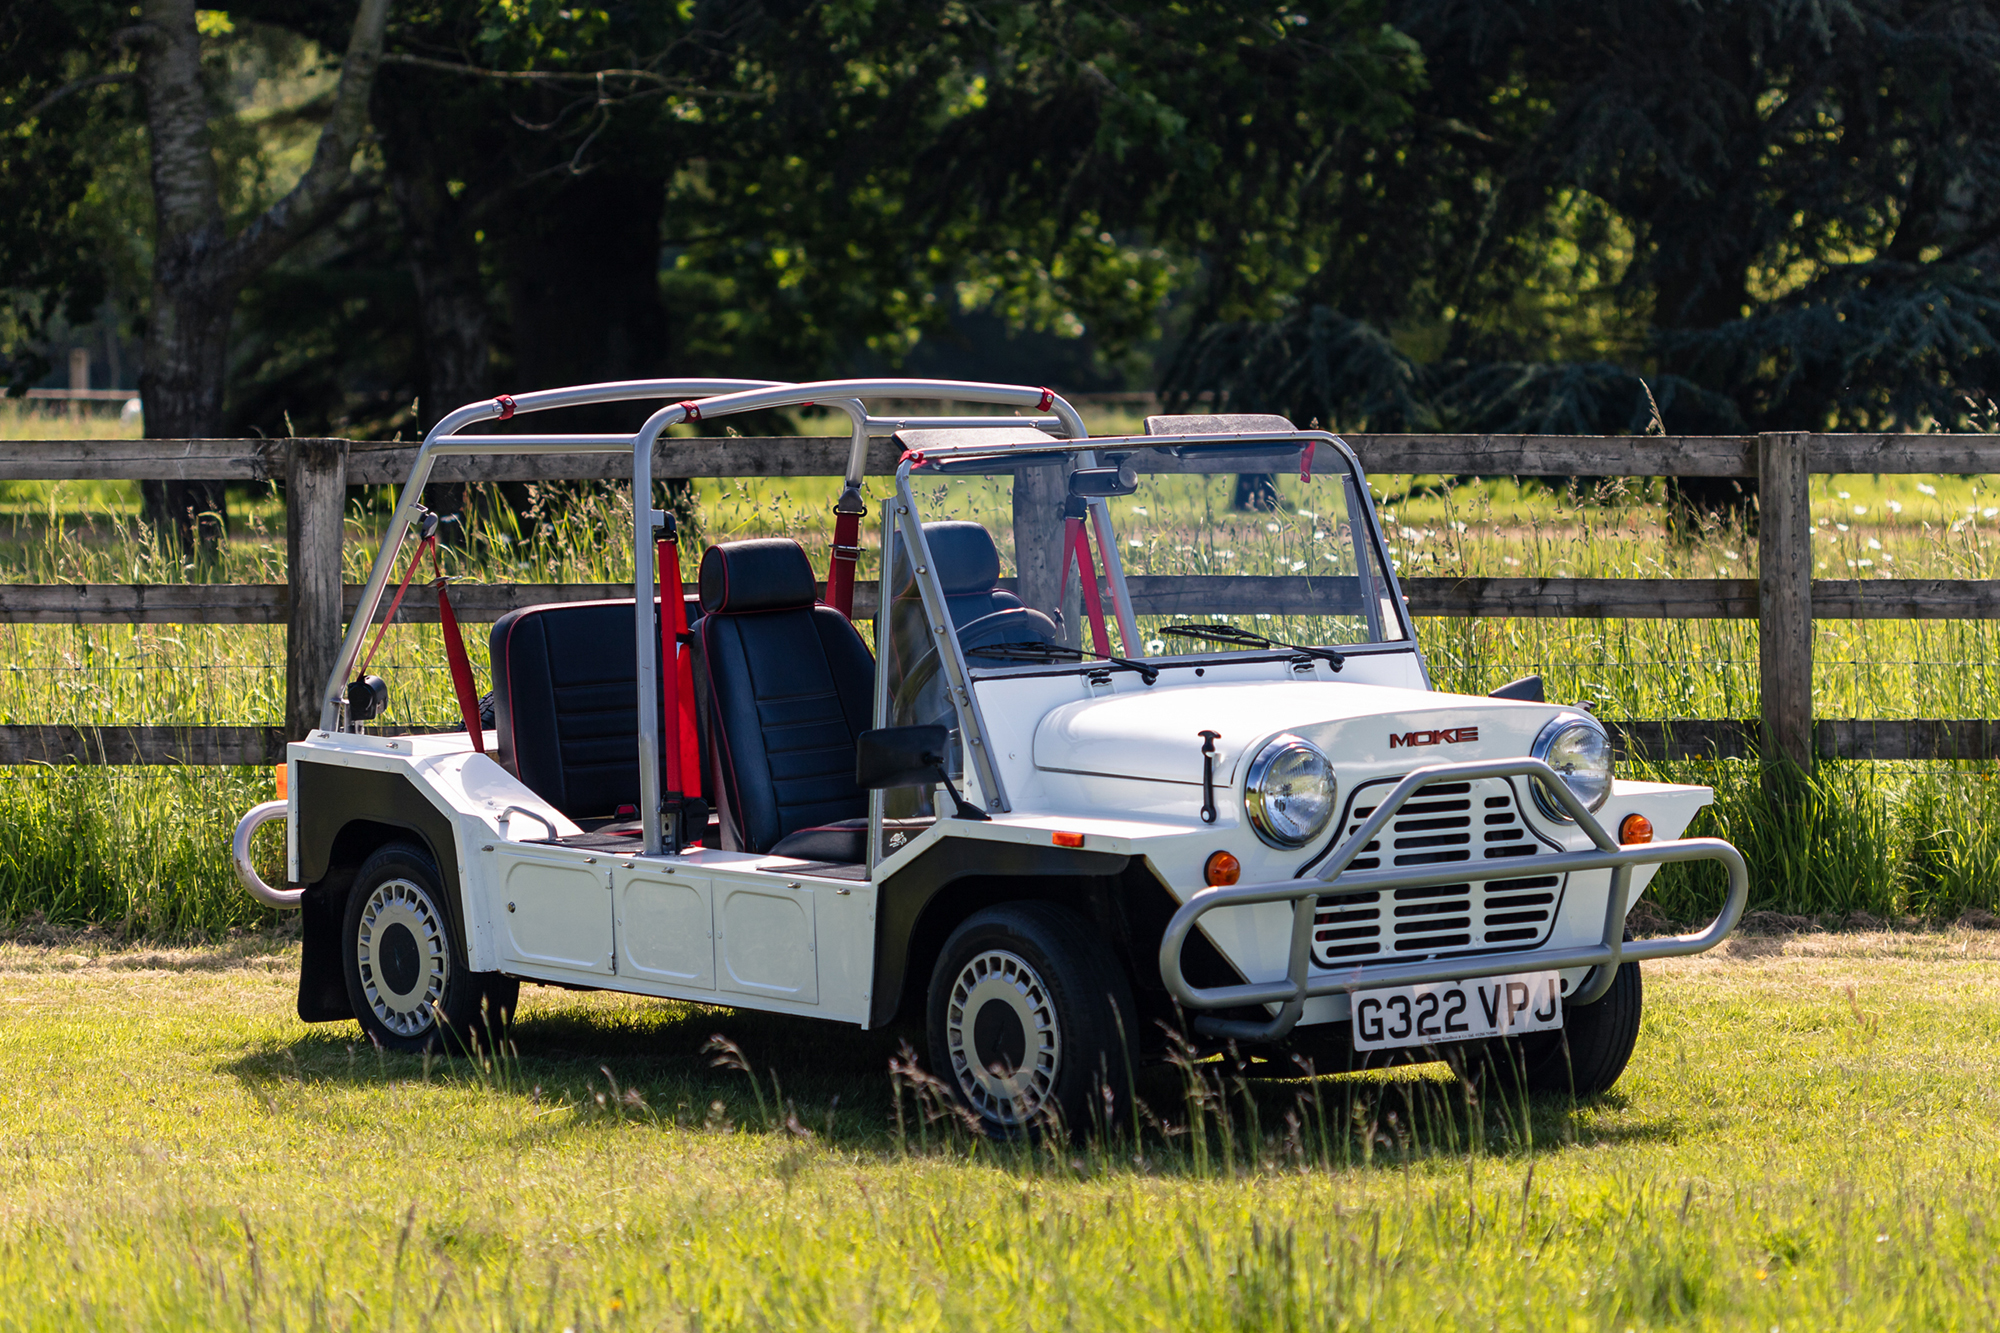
column 1029, row 1015
column 406, row 972
column 1586, row 1057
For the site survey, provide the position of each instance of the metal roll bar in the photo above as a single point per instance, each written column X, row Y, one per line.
column 1301, row 983
column 437, row 444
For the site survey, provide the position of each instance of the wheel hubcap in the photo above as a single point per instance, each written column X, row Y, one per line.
column 401, row 950
column 1003, row 1037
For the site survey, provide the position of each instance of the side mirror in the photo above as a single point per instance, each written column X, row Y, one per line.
column 907, row 757
column 367, row 698
column 1528, row 688
column 1087, row 483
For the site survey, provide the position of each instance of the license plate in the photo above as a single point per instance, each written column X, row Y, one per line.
column 1435, row 1012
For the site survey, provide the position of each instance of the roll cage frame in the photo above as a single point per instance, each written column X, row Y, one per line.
column 1058, row 428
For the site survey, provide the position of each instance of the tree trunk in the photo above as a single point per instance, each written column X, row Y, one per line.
column 439, row 230
column 187, row 329
column 186, row 356
column 198, row 266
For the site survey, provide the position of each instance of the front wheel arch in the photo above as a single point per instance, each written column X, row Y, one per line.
column 323, row 994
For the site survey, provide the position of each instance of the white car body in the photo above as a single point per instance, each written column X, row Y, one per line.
column 1071, row 761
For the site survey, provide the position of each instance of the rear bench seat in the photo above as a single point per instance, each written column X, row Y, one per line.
column 566, row 703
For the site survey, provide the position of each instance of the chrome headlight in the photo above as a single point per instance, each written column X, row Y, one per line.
column 1289, row 793
column 1578, row 748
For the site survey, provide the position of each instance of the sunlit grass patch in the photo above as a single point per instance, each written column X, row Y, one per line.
column 1804, row 1140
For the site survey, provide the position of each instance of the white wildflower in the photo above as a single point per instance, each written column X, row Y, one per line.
column 1925, row 489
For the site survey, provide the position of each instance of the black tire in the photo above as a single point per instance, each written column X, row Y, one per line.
column 1030, row 989
column 1586, row 1057
column 405, row 965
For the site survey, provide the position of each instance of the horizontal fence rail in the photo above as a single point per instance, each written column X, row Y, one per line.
column 1784, row 599
column 387, row 464
column 1152, row 595
column 1725, row 738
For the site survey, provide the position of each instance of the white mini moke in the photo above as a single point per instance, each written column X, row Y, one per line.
column 1264, row 827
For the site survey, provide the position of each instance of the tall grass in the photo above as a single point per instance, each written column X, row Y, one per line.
column 145, row 847
column 178, row 1151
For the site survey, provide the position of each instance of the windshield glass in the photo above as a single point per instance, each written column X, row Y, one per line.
column 1291, row 566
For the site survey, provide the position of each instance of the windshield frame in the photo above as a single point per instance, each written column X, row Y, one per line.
column 1365, row 526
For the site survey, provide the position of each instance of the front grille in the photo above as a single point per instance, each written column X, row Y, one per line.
column 1443, row 824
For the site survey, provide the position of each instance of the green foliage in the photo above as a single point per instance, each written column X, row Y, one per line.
column 47, row 129
column 1782, row 216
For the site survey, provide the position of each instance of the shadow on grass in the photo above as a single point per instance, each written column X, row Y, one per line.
column 695, row 1068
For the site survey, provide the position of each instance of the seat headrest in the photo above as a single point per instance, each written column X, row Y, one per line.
column 763, row 574
column 966, row 558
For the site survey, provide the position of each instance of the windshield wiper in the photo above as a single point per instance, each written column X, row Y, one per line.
column 1243, row 638
column 1036, row 650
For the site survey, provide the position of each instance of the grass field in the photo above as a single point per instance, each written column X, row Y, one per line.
column 1806, row 1140
column 147, row 849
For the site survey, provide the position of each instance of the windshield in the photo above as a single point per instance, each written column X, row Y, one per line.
column 1295, row 567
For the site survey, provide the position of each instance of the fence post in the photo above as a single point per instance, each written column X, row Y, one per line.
column 315, row 505
column 1039, row 493
column 1784, row 594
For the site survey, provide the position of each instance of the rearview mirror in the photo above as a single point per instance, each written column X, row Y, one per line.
column 900, row 757
column 1089, row 483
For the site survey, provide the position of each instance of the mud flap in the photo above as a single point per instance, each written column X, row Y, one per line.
column 322, row 980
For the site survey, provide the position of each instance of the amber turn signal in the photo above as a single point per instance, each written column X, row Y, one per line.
column 1066, row 839
column 1635, row 829
column 283, row 773
column 1222, row 870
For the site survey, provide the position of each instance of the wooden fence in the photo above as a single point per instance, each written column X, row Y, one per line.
column 1784, row 599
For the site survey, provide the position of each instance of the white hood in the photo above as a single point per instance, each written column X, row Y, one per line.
column 1155, row 733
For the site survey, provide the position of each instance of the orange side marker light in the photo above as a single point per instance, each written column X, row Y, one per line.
column 1066, row 839
column 1634, row 830
column 283, row 774
column 1222, row 870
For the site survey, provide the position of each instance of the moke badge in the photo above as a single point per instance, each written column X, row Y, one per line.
column 1445, row 736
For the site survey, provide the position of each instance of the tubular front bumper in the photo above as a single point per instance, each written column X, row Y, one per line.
column 1300, row 984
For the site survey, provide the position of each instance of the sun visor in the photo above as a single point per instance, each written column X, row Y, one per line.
column 983, row 449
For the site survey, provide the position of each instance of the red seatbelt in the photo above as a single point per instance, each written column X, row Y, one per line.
column 1077, row 541
column 454, row 642
column 840, row 568
column 401, row 588
column 677, row 678
column 454, row 653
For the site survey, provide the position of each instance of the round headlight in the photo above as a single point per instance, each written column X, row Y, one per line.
column 1579, row 749
column 1289, row 796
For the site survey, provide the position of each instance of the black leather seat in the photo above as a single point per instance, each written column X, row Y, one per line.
column 790, row 686
column 566, row 704
column 968, row 568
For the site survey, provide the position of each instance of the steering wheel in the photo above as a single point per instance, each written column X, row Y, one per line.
column 1013, row 624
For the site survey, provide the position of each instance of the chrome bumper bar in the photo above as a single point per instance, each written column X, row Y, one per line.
column 1301, row 983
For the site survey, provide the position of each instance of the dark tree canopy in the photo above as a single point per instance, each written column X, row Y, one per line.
column 1507, row 215
column 1782, row 215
